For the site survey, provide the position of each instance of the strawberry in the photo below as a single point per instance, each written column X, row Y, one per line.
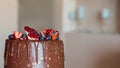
column 56, row 33
column 50, row 34
column 17, row 35
column 45, row 31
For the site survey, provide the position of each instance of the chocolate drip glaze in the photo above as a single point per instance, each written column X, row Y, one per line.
column 33, row 54
column 18, row 49
column 28, row 55
column 6, row 52
column 12, row 49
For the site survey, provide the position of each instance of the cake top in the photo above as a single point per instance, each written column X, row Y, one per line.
column 32, row 34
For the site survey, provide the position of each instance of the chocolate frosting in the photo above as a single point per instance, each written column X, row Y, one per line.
column 34, row 54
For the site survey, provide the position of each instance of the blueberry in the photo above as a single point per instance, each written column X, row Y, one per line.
column 42, row 38
column 57, row 38
column 53, row 32
column 50, row 37
column 24, row 35
column 11, row 36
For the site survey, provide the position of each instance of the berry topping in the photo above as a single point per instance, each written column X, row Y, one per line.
column 50, row 34
column 24, row 37
column 41, row 38
column 11, row 37
column 49, row 37
column 17, row 35
column 57, row 38
column 47, row 31
column 56, row 33
column 54, row 37
column 32, row 33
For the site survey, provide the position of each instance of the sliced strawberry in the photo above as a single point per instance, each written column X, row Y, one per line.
column 17, row 34
column 45, row 31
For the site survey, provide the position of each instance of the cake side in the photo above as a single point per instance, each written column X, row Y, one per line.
column 34, row 54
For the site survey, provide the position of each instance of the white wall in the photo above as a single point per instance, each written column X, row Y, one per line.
column 36, row 13
column 8, row 23
column 92, row 51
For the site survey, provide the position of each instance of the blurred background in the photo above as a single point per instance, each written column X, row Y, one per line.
column 89, row 28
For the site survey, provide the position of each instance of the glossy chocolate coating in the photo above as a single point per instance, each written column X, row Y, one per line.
column 34, row 54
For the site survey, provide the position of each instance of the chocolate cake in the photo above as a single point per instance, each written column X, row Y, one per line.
column 34, row 54
column 34, row 50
